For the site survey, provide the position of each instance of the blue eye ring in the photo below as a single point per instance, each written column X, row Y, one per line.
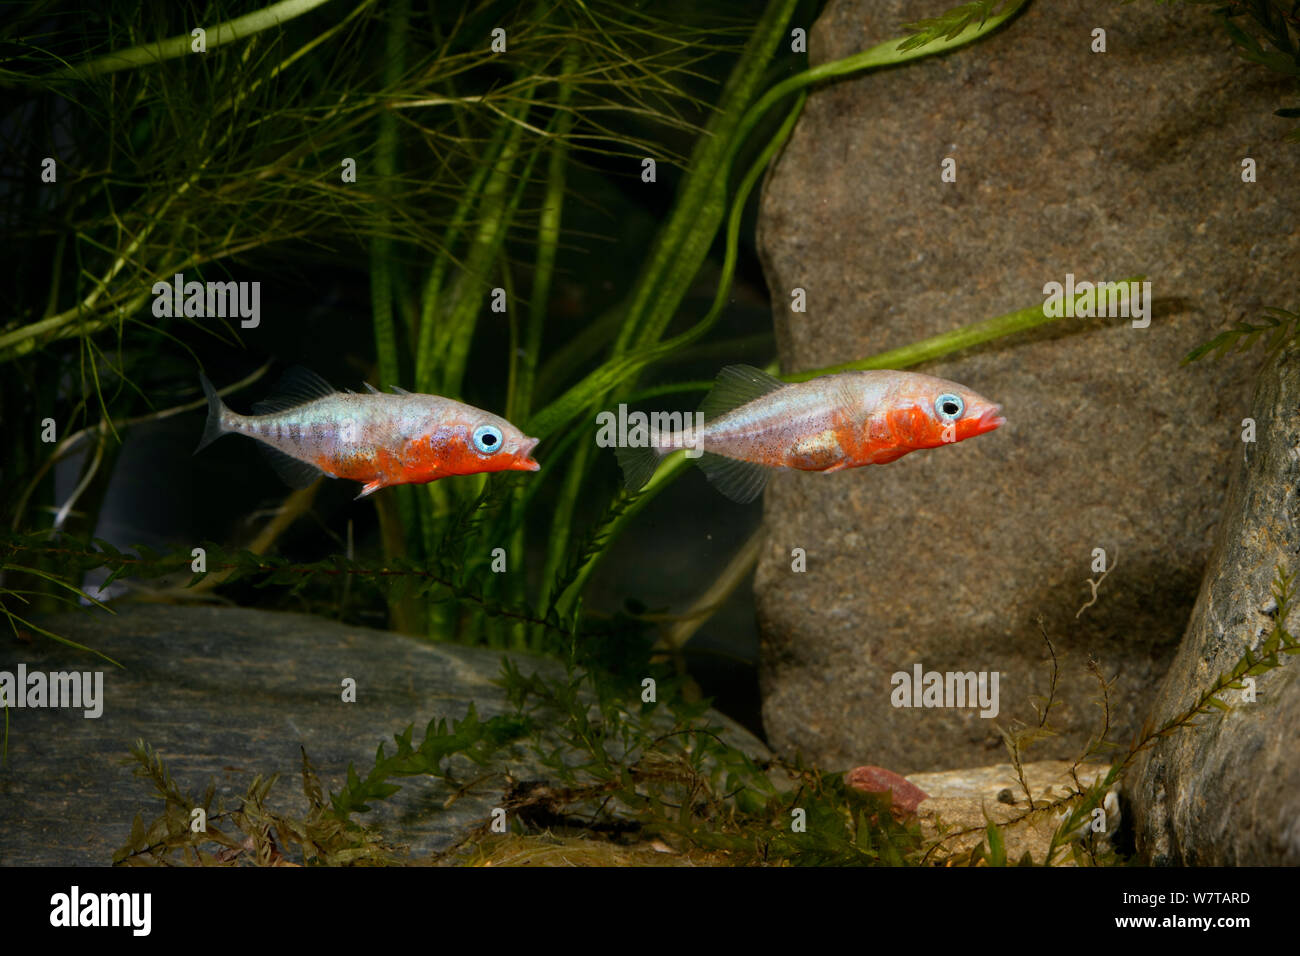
column 487, row 439
column 949, row 407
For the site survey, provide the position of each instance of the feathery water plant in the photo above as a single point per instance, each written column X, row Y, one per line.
column 1276, row 330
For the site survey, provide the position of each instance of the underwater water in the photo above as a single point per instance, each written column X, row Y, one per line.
column 662, row 434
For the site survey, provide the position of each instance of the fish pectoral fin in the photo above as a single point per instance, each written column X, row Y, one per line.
column 292, row 471
column 371, row 488
column 741, row 481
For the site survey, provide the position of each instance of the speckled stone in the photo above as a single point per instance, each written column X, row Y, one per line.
column 960, row 803
column 1228, row 792
column 1101, row 165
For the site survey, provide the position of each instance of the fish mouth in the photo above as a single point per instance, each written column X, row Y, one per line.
column 525, row 463
column 991, row 419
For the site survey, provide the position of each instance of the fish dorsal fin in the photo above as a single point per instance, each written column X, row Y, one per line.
column 737, row 385
column 294, row 473
column 297, row 386
column 398, row 390
column 741, row 481
column 370, row 388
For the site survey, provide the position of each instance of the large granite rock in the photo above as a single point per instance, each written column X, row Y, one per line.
column 227, row 694
column 1228, row 791
column 1103, row 165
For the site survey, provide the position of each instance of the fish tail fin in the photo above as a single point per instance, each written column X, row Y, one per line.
column 214, row 428
column 638, row 464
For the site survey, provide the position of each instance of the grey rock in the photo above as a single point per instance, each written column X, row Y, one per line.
column 1101, row 165
column 1228, row 791
column 227, row 694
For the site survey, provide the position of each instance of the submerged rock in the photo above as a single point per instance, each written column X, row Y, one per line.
column 1227, row 792
column 1101, row 165
column 959, row 805
column 904, row 795
column 227, row 694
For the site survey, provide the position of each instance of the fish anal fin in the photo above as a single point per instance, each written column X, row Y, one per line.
column 741, row 481
column 737, row 385
column 292, row 471
column 297, row 386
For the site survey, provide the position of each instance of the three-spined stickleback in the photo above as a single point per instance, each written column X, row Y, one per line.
column 755, row 422
column 309, row 429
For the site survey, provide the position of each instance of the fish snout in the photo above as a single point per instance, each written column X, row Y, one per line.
column 990, row 419
column 522, row 453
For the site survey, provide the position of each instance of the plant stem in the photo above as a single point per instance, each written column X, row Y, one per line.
column 169, row 49
column 382, row 269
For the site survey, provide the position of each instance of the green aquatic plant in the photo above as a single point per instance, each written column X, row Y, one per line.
column 213, row 161
column 1276, row 330
column 953, row 23
column 249, row 834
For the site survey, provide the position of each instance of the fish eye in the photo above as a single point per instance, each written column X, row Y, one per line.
column 487, row 439
column 949, row 406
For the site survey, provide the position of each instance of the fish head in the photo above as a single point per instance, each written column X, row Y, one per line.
column 927, row 412
column 471, row 442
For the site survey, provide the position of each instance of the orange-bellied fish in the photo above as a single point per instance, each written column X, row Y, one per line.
column 754, row 422
column 308, row 428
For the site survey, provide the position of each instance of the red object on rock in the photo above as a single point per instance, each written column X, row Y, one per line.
column 905, row 796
